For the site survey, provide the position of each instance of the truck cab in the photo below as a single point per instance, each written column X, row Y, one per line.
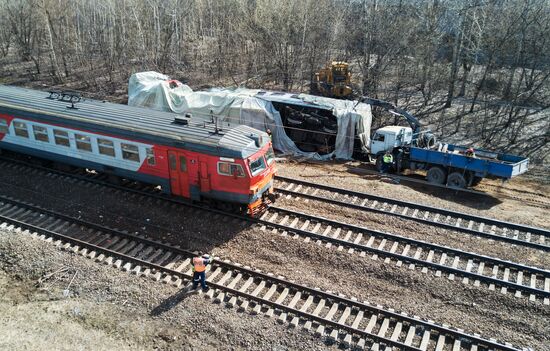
column 390, row 137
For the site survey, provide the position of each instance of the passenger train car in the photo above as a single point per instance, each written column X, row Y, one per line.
column 194, row 160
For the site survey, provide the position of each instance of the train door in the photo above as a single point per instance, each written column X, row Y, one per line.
column 204, row 177
column 179, row 177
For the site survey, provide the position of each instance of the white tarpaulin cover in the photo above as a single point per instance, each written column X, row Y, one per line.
column 242, row 106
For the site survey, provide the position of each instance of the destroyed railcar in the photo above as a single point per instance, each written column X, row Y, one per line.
column 301, row 124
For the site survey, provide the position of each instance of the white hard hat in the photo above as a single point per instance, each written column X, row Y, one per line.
column 206, row 256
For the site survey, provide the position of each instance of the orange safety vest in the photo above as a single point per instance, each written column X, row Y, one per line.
column 198, row 264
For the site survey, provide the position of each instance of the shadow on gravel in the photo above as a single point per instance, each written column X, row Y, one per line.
column 477, row 201
column 171, row 302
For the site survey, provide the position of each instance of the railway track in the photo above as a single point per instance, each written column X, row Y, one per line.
column 513, row 233
column 338, row 318
column 508, row 277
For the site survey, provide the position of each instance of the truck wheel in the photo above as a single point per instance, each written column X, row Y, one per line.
column 379, row 162
column 476, row 181
column 436, row 175
column 456, row 180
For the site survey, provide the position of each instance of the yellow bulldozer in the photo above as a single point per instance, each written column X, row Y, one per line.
column 334, row 80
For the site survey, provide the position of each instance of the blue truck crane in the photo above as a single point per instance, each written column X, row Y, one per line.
column 453, row 165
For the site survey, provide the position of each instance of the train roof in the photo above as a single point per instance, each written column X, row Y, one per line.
column 289, row 99
column 132, row 122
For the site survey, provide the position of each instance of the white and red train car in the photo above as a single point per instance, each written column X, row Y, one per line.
column 194, row 160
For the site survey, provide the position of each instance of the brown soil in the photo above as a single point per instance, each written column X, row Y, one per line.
column 475, row 309
column 106, row 309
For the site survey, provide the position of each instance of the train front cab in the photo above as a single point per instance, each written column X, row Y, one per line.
column 261, row 167
column 230, row 182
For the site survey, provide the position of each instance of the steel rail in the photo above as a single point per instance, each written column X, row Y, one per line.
column 420, row 262
column 412, row 205
column 341, row 242
column 442, row 330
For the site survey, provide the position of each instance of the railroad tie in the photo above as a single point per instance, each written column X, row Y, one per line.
column 456, row 345
column 480, row 270
column 425, row 340
column 547, row 289
column 506, row 276
column 469, row 266
column 335, row 236
column 221, row 296
column 325, row 233
column 304, row 227
column 404, row 253
column 342, row 320
column 532, row 297
column 320, row 306
column 428, row 259
column 282, row 318
column 520, row 282
column 321, row 328
column 279, row 301
column 454, row 265
column 494, row 275
column 314, row 231
column 410, row 335
column 232, row 286
column 392, row 250
column 380, row 247
column 416, row 256
column 171, row 265
column 245, row 303
column 384, row 328
column 267, row 296
column 294, row 322
column 396, row 331
column 356, row 321
column 346, row 238
column 441, row 262
column 440, row 343
column 368, row 329
column 233, row 300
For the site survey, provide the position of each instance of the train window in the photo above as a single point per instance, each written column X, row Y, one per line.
column 61, row 137
column 172, row 161
column 21, row 129
column 183, row 164
column 3, row 126
column 130, row 152
column 40, row 133
column 270, row 156
column 226, row 168
column 83, row 142
column 150, row 156
column 257, row 165
column 106, row 147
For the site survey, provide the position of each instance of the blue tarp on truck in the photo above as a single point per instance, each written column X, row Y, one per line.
column 484, row 164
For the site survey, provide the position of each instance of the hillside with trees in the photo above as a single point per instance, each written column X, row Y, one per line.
column 475, row 71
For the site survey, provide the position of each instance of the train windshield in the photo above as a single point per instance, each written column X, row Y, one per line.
column 270, row 156
column 257, row 165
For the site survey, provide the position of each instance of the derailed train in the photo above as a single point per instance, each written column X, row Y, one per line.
column 199, row 161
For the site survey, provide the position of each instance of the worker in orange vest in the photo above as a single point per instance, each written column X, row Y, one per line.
column 199, row 270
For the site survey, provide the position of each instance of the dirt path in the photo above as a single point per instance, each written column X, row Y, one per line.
column 106, row 309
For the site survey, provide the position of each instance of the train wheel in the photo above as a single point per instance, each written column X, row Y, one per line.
column 436, row 175
column 456, row 180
